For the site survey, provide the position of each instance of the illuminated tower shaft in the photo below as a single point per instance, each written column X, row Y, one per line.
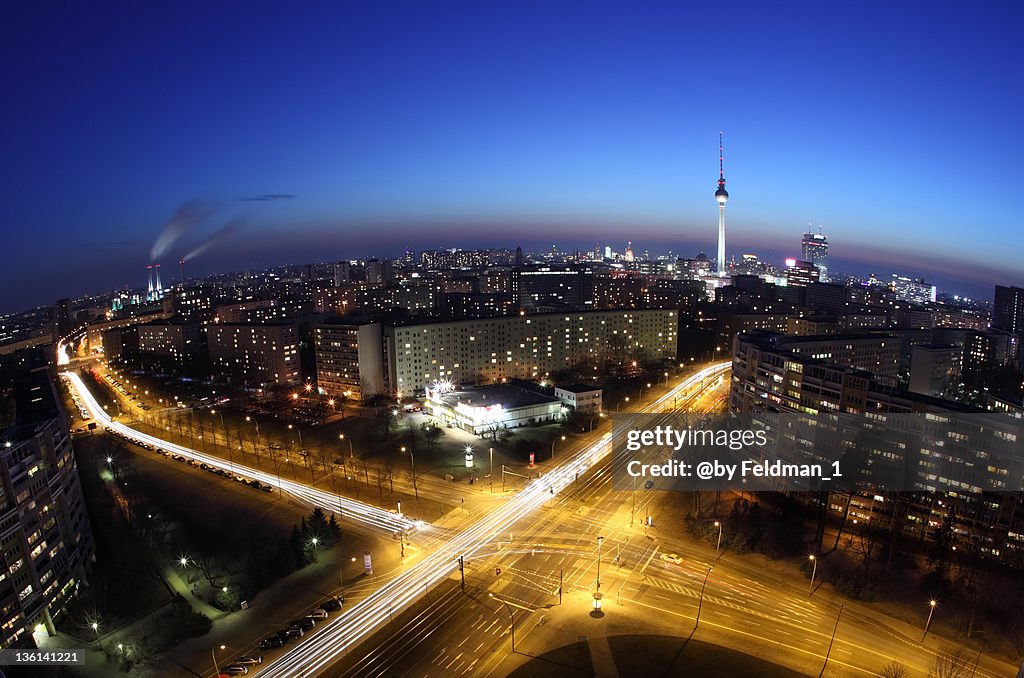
column 721, row 195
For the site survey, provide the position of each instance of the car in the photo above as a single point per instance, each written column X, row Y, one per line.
column 305, row 624
column 318, row 613
column 267, row 488
column 292, row 632
column 673, row 558
column 235, row 670
column 271, row 642
column 331, row 604
column 250, row 659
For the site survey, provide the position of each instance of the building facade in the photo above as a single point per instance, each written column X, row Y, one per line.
column 46, row 542
column 524, row 347
column 350, row 360
column 259, row 355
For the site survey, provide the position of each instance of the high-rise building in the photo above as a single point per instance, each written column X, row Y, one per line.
column 722, row 196
column 814, row 248
column 801, row 273
column 524, row 346
column 1008, row 309
column 350, row 359
column 44, row 528
column 257, row 354
column 934, row 368
column 915, row 291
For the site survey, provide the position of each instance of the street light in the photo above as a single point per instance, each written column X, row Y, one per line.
column 511, row 616
column 700, row 604
column 213, row 653
column 412, row 461
column 626, row 400
column 553, row 446
column 600, row 541
column 814, row 569
column 313, row 542
column 718, row 546
column 341, row 436
column 931, row 610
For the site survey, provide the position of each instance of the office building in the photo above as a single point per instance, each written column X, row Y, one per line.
column 814, row 248
column 1008, row 309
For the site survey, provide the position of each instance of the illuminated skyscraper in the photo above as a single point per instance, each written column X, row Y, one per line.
column 721, row 195
column 814, row 249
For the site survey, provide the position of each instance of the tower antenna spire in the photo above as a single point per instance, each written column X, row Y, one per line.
column 721, row 159
column 721, row 195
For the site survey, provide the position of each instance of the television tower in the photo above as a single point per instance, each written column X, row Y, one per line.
column 721, row 195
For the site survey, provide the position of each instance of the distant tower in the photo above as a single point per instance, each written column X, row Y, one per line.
column 149, row 283
column 721, row 195
column 814, row 248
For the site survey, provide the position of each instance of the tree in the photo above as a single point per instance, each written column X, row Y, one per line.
column 317, row 525
column 297, row 545
column 949, row 666
column 335, row 529
column 894, row 669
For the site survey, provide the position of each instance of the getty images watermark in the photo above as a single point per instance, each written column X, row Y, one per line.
column 817, row 452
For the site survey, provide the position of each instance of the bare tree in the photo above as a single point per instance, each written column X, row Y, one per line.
column 949, row 666
column 894, row 669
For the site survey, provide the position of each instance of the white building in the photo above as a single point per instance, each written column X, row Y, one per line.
column 489, row 408
column 580, row 397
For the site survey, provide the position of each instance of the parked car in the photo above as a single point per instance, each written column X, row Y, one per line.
column 306, row 624
column 250, row 659
column 331, row 604
column 271, row 642
column 291, row 632
column 318, row 613
column 235, row 670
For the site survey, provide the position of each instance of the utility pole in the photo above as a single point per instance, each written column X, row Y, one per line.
column 462, row 573
column 696, row 622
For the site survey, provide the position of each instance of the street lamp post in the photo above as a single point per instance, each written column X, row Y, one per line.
column 511, row 616
column 491, row 450
column 624, row 400
column 931, row 611
column 412, row 461
column 256, row 445
column 351, row 454
column 313, row 542
column 227, row 442
column 718, row 546
column 814, row 569
column 600, row 541
column 213, row 653
column 696, row 622
column 553, row 446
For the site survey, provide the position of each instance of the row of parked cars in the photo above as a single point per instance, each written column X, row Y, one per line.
column 301, row 626
column 255, row 484
column 79, row 404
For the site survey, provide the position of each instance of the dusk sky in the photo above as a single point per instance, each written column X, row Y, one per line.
column 356, row 129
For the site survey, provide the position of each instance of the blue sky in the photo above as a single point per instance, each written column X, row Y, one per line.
column 894, row 125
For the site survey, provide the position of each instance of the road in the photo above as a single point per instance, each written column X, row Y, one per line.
column 555, row 546
column 365, row 514
column 362, row 620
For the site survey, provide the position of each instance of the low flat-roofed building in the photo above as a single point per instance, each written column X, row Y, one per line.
column 487, row 408
column 581, row 397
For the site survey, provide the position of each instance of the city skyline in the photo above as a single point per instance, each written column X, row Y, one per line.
column 356, row 120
